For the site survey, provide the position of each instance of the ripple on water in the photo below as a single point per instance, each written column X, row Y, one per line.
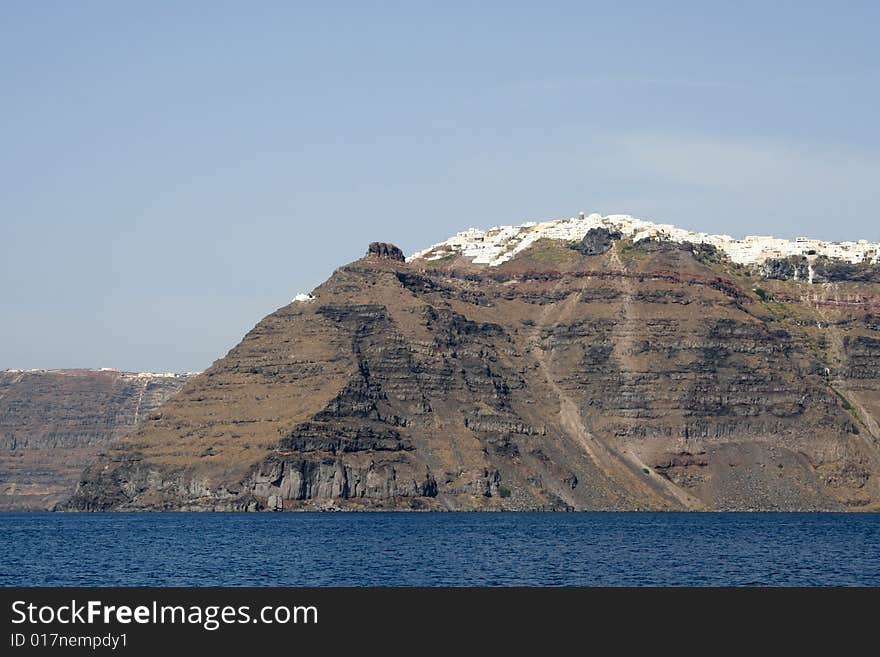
column 423, row 549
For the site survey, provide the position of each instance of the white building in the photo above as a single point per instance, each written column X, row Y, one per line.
column 500, row 243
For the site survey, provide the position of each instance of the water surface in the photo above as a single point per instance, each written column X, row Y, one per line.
column 439, row 549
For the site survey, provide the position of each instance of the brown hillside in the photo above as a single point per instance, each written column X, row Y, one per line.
column 648, row 377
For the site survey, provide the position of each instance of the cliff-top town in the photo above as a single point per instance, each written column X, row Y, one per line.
column 499, row 244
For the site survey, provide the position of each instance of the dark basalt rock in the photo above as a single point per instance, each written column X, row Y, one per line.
column 838, row 271
column 419, row 284
column 385, row 250
column 863, row 357
column 786, row 269
column 706, row 253
column 596, row 242
column 295, row 478
column 333, row 438
column 825, row 270
column 355, row 314
column 453, row 326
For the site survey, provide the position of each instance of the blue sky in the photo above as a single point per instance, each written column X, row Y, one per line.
column 170, row 172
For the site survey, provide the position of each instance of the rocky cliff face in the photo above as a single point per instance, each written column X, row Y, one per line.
column 819, row 270
column 596, row 242
column 385, row 250
column 613, row 375
column 53, row 423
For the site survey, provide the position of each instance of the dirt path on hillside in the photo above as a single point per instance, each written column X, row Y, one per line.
column 625, row 470
column 624, row 344
column 838, row 360
column 137, row 409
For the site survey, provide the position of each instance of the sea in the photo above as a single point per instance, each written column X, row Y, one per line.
column 440, row 549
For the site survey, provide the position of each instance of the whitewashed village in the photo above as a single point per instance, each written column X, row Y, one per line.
column 499, row 244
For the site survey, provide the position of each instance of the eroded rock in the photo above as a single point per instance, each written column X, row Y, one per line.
column 385, row 250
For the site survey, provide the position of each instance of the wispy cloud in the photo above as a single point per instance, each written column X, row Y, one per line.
column 735, row 164
column 751, row 184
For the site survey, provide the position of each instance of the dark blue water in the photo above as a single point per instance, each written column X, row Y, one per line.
column 406, row 549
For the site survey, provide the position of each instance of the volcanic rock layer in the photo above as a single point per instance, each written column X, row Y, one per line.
column 601, row 375
column 53, row 423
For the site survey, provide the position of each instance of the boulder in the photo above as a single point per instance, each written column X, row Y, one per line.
column 385, row 250
column 597, row 241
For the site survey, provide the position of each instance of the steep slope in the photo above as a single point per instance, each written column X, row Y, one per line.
column 53, row 423
column 603, row 374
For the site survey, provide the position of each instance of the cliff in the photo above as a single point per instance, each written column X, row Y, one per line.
column 53, row 423
column 599, row 373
